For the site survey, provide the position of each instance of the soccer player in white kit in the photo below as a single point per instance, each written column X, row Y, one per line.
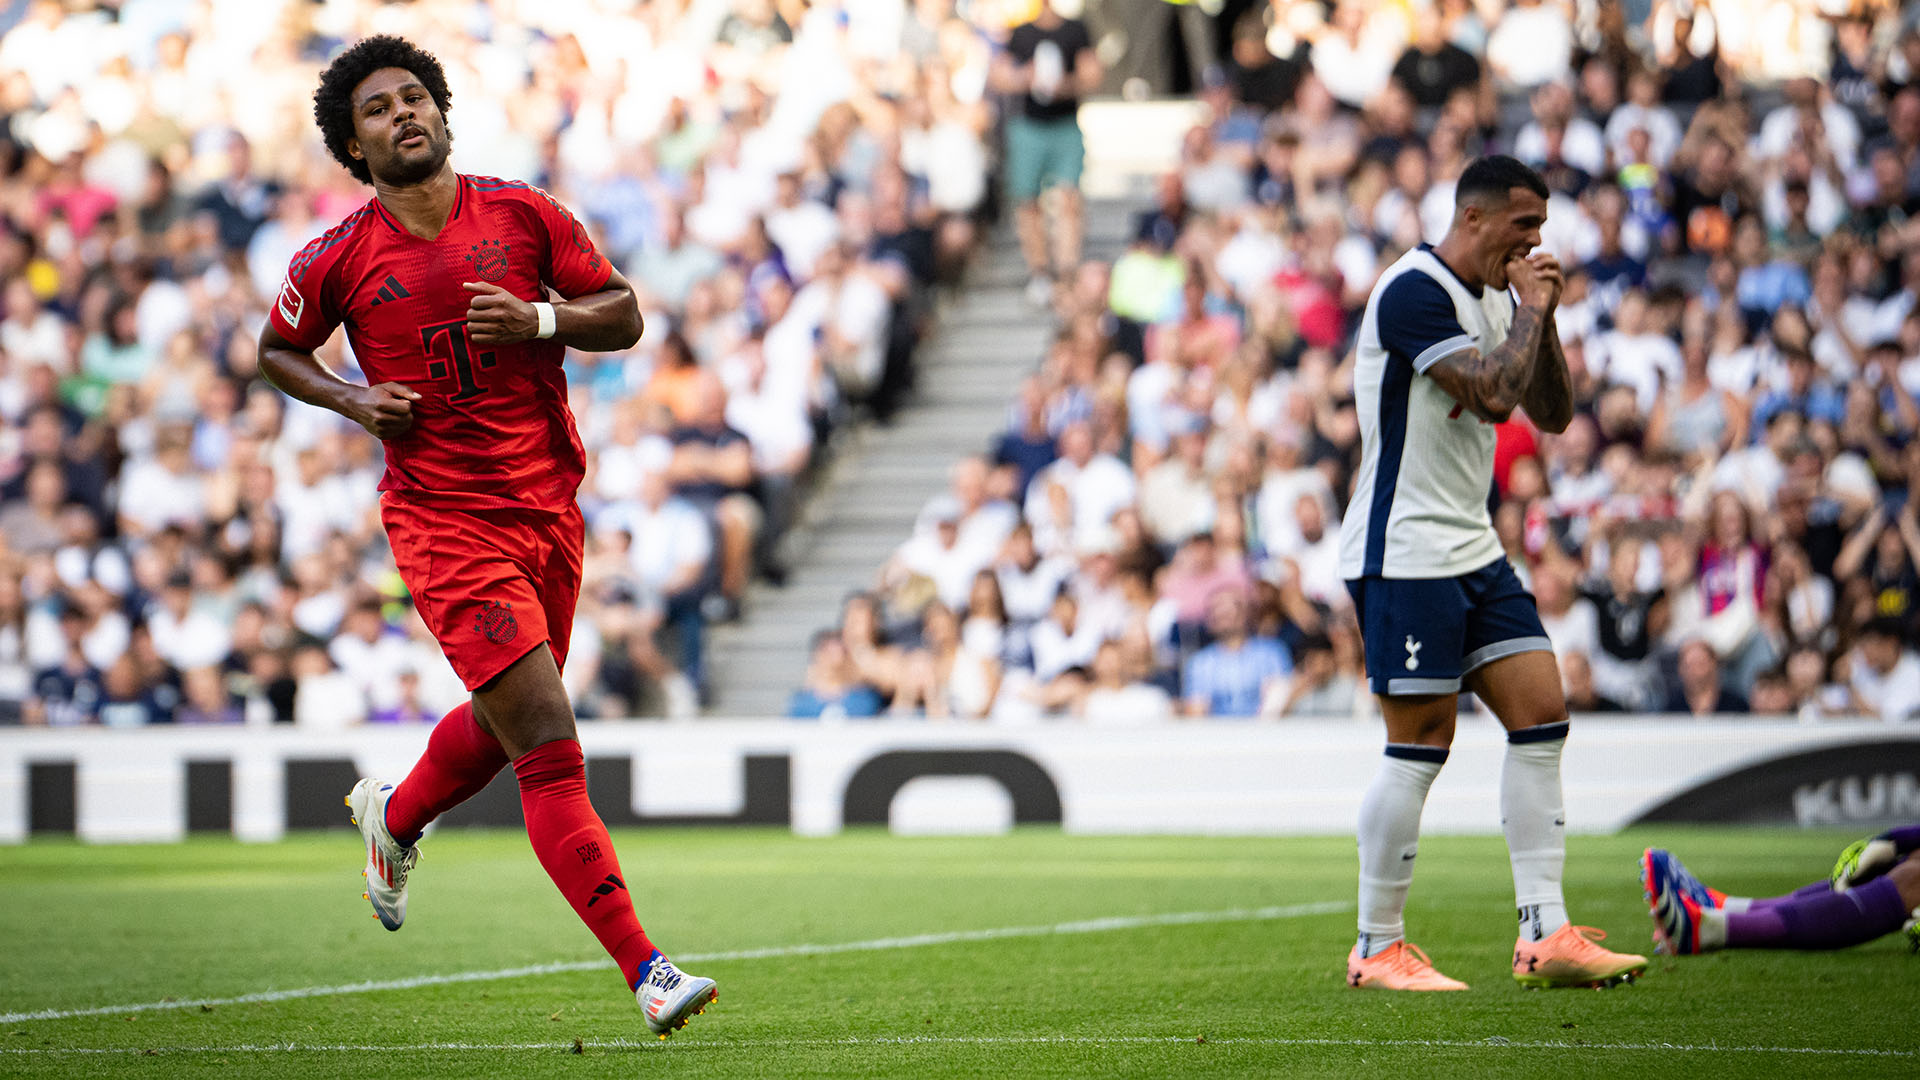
column 1455, row 337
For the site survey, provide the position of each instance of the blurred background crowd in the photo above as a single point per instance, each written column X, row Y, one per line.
column 784, row 183
column 1726, row 527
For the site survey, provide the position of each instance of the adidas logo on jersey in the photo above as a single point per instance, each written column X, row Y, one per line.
column 391, row 290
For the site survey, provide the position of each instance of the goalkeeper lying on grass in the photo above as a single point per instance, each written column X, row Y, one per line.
column 1874, row 890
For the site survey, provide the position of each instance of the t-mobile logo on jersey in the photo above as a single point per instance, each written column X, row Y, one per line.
column 1413, row 653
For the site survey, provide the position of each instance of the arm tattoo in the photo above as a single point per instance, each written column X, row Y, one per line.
column 1549, row 396
column 1490, row 386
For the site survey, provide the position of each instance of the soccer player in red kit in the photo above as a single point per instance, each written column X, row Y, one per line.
column 441, row 281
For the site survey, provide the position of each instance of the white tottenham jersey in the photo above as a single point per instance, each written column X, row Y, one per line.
column 1419, row 509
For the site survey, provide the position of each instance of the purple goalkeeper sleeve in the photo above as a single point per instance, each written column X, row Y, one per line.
column 1905, row 838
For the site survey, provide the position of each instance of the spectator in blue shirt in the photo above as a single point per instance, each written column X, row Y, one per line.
column 1765, row 284
column 1027, row 444
column 1805, row 393
column 1611, row 271
column 833, row 690
column 1231, row 676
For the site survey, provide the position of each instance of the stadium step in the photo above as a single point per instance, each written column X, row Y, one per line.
column 986, row 340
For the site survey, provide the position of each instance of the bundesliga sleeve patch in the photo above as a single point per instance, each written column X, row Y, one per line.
column 291, row 304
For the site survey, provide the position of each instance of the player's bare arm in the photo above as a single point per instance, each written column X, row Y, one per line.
column 1490, row 386
column 385, row 410
column 605, row 321
column 1549, row 396
column 1490, row 243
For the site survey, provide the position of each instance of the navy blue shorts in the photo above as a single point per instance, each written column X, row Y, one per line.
column 1423, row 635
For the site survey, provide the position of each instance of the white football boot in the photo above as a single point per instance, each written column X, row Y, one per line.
column 670, row 997
column 387, row 861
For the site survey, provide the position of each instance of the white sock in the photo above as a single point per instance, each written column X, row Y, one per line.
column 1534, row 817
column 1713, row 929
column 1737, row 905
column 1389, row 838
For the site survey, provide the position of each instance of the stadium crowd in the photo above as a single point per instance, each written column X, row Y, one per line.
column 785, row 183
column 1732, row 521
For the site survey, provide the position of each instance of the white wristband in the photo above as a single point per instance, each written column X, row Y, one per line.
column 547, row 321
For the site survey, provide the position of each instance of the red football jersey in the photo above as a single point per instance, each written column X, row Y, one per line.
column 492, row 427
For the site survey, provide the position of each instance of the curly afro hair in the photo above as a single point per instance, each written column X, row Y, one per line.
column 333, row 99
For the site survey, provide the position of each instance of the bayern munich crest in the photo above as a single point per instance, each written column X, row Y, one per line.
column 489, row 259
column 496, row 622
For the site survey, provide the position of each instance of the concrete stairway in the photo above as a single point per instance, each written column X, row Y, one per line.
column 985, row 340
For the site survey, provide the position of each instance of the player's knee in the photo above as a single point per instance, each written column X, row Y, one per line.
column 1539, row 710
column 1555, row 713
column 1546, row 727
column 545, row 721
column 1421, row 727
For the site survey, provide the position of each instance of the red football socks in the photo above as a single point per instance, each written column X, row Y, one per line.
column 461, row 759
column 573, row 846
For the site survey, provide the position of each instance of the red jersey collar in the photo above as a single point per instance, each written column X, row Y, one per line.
column 459, row 200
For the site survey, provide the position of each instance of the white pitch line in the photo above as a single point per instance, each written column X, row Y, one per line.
column 1084, row 926
column 1495, row 1043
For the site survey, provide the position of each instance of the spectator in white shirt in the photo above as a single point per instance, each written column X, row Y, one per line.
column 665, row 273
column 780, row 437
column 164, row 489
column 1643, row 110
column 30, row 333
column 1884, row 675
column 1310, row 557
column 324, row 699
column 371, row 654
column 1634, row 356
column 1028, row 584
column 1355, row 55
column 792, row 343
column 852, row 311
column 1062, row 641
column 313, row 504
column 1571, row 621
column 1581, row 143
column 1809, row 111
column 1176, row 496
column 803, row 228
column 672, row 543
column 1118, row 698
column 1096, row 484
column 669, row 553
column 1285, row 480
column 937, row 555
column 985, row 521
column 184, row 636
column 1531, row 44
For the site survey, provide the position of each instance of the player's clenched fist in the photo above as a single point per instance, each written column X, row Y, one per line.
column 385, row 410
column 497, row 317
column 1537, row 278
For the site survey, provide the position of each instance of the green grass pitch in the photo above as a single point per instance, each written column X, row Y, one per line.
column 1247, row 994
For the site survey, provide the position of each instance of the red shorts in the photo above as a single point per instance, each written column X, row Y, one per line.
column 492, row 585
